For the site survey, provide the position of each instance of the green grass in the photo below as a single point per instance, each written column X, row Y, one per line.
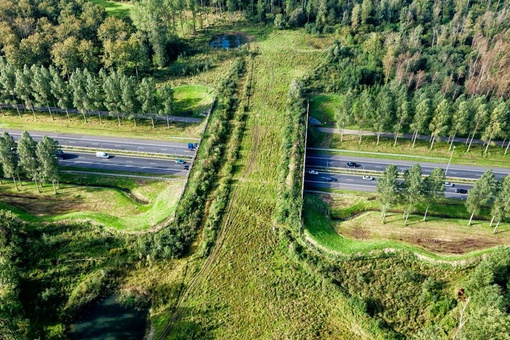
column 119, row 9
column 192, row 100
column 324, row 106
column 109, row 126
column 141, row 205
column 375, row 236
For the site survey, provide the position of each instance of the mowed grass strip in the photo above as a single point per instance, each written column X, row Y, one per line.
column 362, row 230
column 192, row 100
column 108, row 127
column 249, row 287
column 143, row 206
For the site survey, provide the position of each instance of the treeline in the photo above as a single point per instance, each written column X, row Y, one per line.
column 37, row 162
column 174, row 240
column 391, row 108
column 290, row 201
column 121, row 95
column 415, row 189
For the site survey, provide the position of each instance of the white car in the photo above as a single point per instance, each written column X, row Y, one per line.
column 313, row 172
column 368, row 178
column 448, row 184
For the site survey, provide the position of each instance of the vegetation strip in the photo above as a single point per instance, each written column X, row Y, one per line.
column 121, row 175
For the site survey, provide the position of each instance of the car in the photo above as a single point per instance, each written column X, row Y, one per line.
column 449, row 184
column 60, row 154
column 313, row 172
column 180, row 161
column 368, row 178
column 330, row 179
column 461, row 191
column 101, row 154
column 352, row 165
column 186, row 167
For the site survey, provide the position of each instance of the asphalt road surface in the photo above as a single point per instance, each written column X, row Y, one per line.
column 99, row 143
column 357, row 183
column 376, row 164
column 124, row 163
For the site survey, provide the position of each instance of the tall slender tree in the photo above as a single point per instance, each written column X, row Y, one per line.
column 23, row 88
column 497, row 123
column 482, row 192
column 166, row 99
column 48, row 162
column 387, row 188
column 8, row 157
column 60, row 91
column 439, row 121
column 129, row 103
column 501, row 206
column 28, row 161
column 413, row 189
column 434, row 188
column 146, row 95
column 41, row 87
column 77, row 85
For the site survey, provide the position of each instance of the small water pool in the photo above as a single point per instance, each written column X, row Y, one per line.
column 229, row 40
column 109, row 320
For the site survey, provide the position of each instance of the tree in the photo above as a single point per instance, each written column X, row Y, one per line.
column 434, row 188
column 28, row 162
column 383, row 112
column 146, row 95
column 23, row 87
column 77, row 85
column 413, row 189
column 439, row 122
column 387, row 188
column 66, row 55
column 94, row 94
column 60, row 91
column 41, row 86
column 501, row 207
column 8, row 82
column 113, row 93
column 460, row 120
column 481, row 117
column 129, row 103
column 497, row 123
column 166, row 99
column 482, row 192
column 421, row 117
column 403, row 114
column 8, row 157
column 46, row 152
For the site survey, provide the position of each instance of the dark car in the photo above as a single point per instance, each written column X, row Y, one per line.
column 330, row 179
column 352, row 165
column 60, row 154
column 186, row 167
column 461, row 191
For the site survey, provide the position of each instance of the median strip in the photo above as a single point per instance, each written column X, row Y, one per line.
column 121, row 175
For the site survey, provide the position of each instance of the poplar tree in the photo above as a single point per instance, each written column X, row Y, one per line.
column 60, row 91
column 146, row 95
column 497, row 123
column 28, row 161
column 460, row 120
column 8, row 157
column 94, row 94
column 434, row 188
column 413, row 190
column 112, row 94
column 41, row 87
column 439, row 121
column 166, row 98
column 77, row 87
column 23, row 87
column 387, row 188
column 501, row 207
column 482, row 192
column 46, row 152
column 480, row 119
column 421, row 117
column 8, row 82
column 129, row 103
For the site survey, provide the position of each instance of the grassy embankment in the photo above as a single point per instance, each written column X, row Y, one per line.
column 121, row 203
column 249, row 287
column 351, row 223
column 191, row 98
column 323, row 107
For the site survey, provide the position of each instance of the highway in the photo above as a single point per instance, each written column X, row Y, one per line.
column 375, row 164
column 357, row 183
column 98, row 143
column 124, row 163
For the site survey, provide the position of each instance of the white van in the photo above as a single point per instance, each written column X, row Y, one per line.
column 101, row 154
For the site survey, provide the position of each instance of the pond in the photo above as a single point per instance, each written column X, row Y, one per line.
column 109, row 320
column 229, row 40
